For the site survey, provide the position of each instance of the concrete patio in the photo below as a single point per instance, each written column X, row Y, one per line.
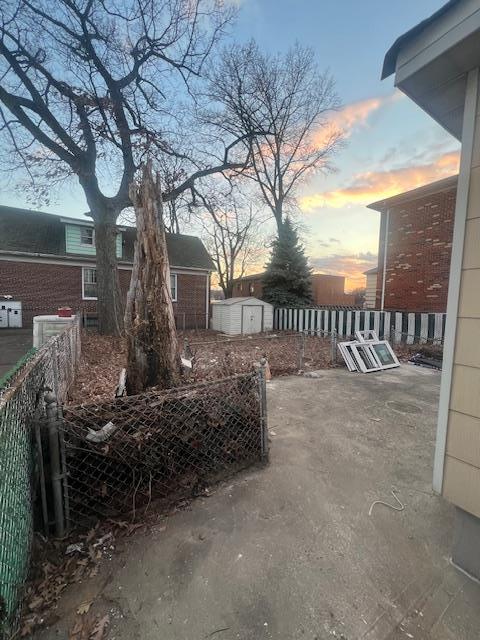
column 290, row 552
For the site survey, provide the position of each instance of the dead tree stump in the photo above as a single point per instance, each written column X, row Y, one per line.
column 152, row 354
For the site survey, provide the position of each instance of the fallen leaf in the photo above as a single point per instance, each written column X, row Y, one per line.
column 100, row 627
column 36, row 603
column 84, row 607
column 77, row 630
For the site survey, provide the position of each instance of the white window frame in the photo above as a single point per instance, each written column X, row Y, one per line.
column 395, row 362
column 369, row 335
column 84, row 297
column 174, row 297
column 345, row 350
column 368, row 364
column 87, row 244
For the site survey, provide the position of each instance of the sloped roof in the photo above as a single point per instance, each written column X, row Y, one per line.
column 370, row 271
column 27, row 231
column 390, row 61
column 446, row 184
column 231, row 301
column 252, row 276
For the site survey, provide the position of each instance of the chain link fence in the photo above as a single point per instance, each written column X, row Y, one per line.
column 286, row 353
column 224, row 357
column 21, row 405
column 121, row 455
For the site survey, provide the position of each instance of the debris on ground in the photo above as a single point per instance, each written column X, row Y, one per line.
column 401, row 506
column 56, row 565
column 89, row 627
column 421, row 360
column 103, row 357
column 211, row 356
column 367, row 353
column 405, row 352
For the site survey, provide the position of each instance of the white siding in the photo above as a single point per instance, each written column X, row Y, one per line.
column 371, row 292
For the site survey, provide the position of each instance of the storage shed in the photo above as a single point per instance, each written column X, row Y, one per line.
column 242, row 315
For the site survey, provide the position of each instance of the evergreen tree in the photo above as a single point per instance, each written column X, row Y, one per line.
column 287, row 280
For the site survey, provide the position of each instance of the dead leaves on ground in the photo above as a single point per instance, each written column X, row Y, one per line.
column 54, row 570
column 89, row 628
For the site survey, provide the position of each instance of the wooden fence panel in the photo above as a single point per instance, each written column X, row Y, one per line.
column 406, row 327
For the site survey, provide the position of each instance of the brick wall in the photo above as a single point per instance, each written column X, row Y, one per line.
column 326, row 289
column 330, row 290
column 189, row 309
column 42, row 288
column 248, row 287
column 419, row 251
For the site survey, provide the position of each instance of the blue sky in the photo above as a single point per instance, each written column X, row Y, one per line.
column 392, row 145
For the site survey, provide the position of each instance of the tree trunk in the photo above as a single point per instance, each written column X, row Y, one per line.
column 152, row 356
column 278, row 214
column 110, row 302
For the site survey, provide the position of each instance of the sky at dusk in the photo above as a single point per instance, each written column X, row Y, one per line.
column 392, row 146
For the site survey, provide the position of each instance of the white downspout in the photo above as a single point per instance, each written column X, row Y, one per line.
column 385, row 251
column 207, row 301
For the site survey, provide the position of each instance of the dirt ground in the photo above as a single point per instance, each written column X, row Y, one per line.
column 294, row 551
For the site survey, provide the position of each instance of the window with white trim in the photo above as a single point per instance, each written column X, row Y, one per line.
column 173, row 286
column 87, row 236
column 89, row 283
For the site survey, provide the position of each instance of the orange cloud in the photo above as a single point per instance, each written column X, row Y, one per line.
column 353, row 116
column 378, row 185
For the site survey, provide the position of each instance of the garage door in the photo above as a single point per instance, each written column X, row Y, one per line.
column 251, row 319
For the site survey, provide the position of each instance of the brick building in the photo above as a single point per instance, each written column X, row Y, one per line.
column 248, row 286
column 415, row 245
column 327, row 290
column 47, row 261
column 330, row 290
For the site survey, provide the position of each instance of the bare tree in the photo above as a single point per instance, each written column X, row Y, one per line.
column 176, row 210
column 89, row 88
column 232, row 231
column 289, row 98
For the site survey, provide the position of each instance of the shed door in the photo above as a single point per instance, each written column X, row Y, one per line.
column 3, row 316
column 252, row 319
column 14, row 312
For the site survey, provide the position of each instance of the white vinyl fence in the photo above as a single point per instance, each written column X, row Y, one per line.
column 397, row 326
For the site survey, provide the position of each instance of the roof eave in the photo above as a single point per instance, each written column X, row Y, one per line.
column 445, row 184
column 390, row 60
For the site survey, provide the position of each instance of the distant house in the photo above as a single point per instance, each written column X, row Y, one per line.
column 248, row 286
column 327, row 290
column 47, row 261
column 415, row 247
column 371, row 288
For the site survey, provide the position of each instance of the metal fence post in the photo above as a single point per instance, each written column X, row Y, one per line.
column 262, row 382
column 54, row 446
column 301, row 351
column 333, row 345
